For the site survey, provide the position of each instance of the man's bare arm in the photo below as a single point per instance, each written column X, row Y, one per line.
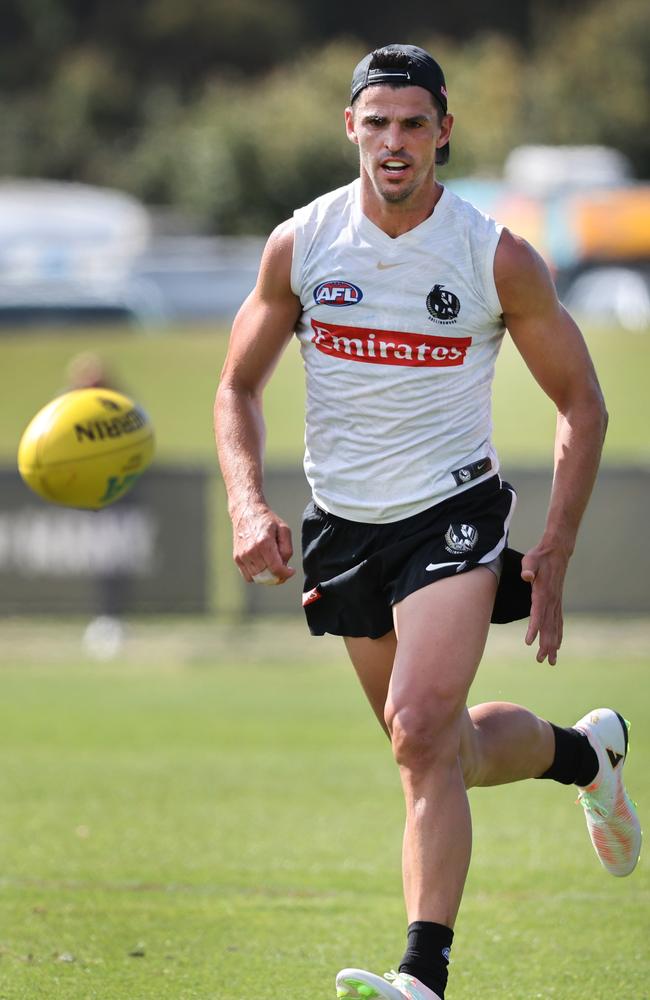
column 262, row 329
column 556, row 354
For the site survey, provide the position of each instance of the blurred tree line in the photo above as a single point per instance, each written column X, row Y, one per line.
column 231, row 110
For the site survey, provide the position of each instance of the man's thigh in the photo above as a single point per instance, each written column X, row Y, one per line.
column 441, row 632
column 373, row 661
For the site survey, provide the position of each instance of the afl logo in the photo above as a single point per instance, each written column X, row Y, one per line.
column 443, row 306
column 337, row 293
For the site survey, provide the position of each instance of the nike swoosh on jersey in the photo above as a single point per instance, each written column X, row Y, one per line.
column 433, row 566
column 384, row 267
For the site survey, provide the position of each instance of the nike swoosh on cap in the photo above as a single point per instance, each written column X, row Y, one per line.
column 384, row 267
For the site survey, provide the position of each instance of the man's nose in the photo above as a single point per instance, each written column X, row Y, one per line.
column 393, row 139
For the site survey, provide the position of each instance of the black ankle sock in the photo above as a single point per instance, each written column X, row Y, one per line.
column 575, row 761
column 427, row 954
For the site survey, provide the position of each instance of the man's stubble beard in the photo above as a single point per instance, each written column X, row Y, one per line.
column 395, row 196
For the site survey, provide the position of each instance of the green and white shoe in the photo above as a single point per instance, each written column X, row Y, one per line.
column 612, row 820
column 357, row 984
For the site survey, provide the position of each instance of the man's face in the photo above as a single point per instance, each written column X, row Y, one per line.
column 397, row 131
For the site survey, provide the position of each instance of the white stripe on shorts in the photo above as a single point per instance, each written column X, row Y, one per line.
column 501, row 544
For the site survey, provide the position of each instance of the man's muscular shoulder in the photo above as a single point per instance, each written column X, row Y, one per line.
column 275, row 267
column 273, row 286
column 523, row 280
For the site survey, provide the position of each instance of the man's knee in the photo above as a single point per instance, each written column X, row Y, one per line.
column 424, row 735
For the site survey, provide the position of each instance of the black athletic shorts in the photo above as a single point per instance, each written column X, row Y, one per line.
column 355, row 572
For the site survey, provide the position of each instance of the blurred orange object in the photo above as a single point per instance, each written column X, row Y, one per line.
column 613, row 224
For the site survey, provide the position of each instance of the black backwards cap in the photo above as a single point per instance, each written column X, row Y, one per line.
column 413, row 67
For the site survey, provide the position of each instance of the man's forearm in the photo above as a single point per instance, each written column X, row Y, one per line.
column 261, row 539
column 240, row 435
column 578, row 446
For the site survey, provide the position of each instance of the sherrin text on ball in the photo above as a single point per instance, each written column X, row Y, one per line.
column 86, row 448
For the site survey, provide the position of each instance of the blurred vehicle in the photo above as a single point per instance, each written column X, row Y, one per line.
column 200, row 278
column 544, row 171
column 67, row 254
column 73, row 254
column 610, row 295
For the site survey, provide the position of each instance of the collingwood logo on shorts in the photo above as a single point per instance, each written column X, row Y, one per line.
column 460, row 538
column 443, row 306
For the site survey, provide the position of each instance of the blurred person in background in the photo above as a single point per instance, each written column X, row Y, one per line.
column 88, row 370
column 399, row 293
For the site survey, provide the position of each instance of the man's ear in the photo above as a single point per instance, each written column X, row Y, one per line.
column 350, row 130
column 446, row 127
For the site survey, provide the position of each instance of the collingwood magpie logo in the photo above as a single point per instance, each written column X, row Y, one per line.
column 443, row 305
column 460, row 538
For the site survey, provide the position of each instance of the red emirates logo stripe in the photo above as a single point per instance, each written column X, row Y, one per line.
column 389, row 347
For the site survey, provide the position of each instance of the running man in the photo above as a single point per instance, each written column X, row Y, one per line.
column 400, row 293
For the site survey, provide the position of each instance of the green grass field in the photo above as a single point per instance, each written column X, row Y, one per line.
column 217, row 817
column 174, row 374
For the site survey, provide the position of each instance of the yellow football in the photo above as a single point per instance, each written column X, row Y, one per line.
column 86, row 448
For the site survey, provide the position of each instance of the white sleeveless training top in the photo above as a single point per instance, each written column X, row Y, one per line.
column 399, row 338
